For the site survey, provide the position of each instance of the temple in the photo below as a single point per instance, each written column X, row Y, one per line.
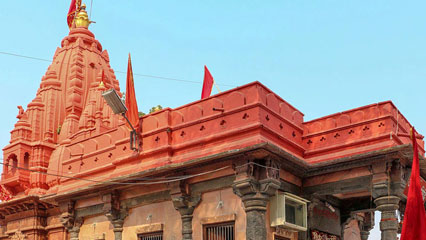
column 242, row 164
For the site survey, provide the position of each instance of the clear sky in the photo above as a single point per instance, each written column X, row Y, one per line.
column 322, row 56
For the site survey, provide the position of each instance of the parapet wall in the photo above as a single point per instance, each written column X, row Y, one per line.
column 224, row 123
column 359, row 130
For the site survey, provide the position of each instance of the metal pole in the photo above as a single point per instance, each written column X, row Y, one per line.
column 133, row 134
column 128, row 121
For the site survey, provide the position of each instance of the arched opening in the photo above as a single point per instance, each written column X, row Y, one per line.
column 26, row 160
column 6, row 166
column 12, row 163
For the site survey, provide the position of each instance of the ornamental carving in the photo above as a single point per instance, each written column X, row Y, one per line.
column 114, row 211
column 19, row 236
column 182, row 199
column 244, row 167
column 68, row 216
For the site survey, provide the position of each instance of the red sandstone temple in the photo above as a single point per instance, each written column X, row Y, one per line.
column 242, row 164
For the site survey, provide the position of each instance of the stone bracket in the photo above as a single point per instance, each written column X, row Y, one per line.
column 185, row 203
column 115, row 212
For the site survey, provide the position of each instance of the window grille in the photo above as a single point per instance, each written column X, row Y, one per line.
column 151, row 236
column 220, row 231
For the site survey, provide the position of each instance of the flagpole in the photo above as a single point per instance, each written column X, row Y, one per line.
column 214, row 82
column 91, row 5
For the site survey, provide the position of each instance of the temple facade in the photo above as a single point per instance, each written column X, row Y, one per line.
column 242, row 164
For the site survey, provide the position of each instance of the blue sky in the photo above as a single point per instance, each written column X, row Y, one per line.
column 321, row 56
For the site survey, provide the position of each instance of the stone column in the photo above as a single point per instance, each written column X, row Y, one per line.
column 68, row 218
column 255, row 183
column 185, row 204
column 401, row 211
column 388, row 183
column 366, row 225
column 115, row 212
column 388, row 205
column 364, row 235
column 118, row 228
column 75, row 229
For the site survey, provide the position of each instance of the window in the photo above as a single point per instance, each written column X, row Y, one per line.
column 219, row 231
column 294, row 212
column 151, row 236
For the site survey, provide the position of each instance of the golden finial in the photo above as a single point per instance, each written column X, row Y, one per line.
column 155, row 109
column 82, row 19
column 101, row 84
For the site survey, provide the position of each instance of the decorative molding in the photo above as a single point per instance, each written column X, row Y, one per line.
column 281, row 232
column 218, row 219
column 149, row 228
column 19, row 236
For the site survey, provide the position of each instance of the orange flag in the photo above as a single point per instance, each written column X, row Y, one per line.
column 207, row 83
column 131, row 104
column 74, row 7
column 414, row 224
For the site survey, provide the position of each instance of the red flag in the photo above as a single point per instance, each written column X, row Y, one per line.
column 74, row 7
column 131, row 104
column 207, row 84
column 414, row 224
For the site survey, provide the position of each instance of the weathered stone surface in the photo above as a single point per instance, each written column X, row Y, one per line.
column 389, row 222
column 115, row 212
column 255, row 183
column 185, row 203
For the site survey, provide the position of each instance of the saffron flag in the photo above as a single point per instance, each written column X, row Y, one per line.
column 207, row 84
column 74, row 7
column 131, row 104
column 414, row 225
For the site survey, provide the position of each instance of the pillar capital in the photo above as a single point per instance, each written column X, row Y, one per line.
column 255, row 182
column 387, row 203
column 185, row 203
column 115, row 212
column 68, row 218
column 388, row 178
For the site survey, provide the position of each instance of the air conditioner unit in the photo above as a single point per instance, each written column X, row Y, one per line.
column 288, row 211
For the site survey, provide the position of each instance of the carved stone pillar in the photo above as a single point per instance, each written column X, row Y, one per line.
column 115, row 212
column 401, row 211
column 75, row 229
column 68, row 218
column 185, row 204
column 364, row 235
column 388, row 205
column 365, row 223
column 388, row 184
column 255, row 183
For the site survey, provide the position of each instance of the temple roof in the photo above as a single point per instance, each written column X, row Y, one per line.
column 68, row 132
